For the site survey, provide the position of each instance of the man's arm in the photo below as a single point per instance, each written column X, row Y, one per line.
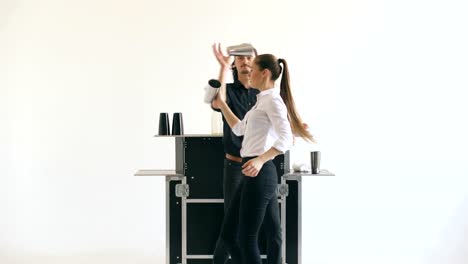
column 225, row 68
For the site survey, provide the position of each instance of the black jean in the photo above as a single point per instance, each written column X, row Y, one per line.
column 231, row 185
column 254, row 204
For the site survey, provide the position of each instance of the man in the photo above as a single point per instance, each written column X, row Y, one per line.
column 240, row 99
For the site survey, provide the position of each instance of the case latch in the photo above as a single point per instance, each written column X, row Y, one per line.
column 182, row 190
column 283, row 190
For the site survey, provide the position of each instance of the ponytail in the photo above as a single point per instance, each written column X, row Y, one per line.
column 268, row 61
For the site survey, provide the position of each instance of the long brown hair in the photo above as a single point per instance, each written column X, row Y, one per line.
column 270, row 62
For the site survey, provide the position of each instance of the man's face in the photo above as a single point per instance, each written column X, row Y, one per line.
column 243, row 64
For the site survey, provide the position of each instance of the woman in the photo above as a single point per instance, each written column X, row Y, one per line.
column 268, row 131
column 240, row 98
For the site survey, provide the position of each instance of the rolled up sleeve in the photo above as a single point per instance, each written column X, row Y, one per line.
column 239, row 128
column 278, row 115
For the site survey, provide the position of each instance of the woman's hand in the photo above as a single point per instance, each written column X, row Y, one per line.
column 252, row 167
column 224, row 61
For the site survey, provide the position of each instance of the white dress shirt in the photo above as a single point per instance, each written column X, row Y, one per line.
column 266, row 125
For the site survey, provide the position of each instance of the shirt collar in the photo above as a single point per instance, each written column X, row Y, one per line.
column 274, row 90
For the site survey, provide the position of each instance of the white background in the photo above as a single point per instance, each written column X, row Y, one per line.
column 381, row 83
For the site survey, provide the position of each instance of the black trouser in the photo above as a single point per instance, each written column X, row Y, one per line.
column 255, row 203
column 231, row 185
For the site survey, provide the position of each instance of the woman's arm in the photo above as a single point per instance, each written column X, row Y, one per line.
column 278, row 115
column 220, row 103
column 253, row 166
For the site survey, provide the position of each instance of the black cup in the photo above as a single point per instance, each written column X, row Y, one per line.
column 177, row 124
column 315, row 162
column 164, row 124
column 214, row 83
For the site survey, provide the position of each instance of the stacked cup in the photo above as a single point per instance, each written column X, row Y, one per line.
column 177, row 124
